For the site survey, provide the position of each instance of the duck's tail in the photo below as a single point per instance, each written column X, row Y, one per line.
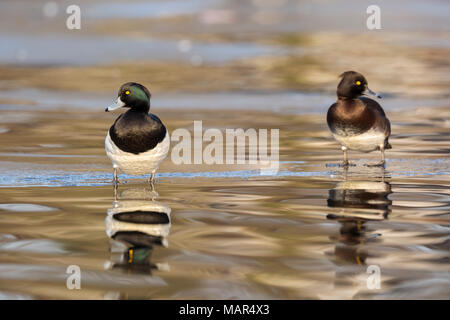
column 387, row 145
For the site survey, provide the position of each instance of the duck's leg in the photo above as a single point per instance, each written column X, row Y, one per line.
column 151, row 179
column 115, row 192
column 382, row 162
column 116, row 179
column 345, row 163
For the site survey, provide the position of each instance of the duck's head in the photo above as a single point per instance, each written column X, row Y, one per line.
column 352, row 85
column 132, row 95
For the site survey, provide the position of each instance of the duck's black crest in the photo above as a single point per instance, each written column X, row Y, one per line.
column 347, row 87
column 136, row 132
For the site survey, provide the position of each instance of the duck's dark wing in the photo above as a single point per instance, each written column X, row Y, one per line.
column 387, row 145
column 331, row 118
column 373, row 105
column 154, row 117
column 382, row 122
column 135, row 132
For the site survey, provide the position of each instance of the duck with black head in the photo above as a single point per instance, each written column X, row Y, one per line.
column 358, row 122
column 138, row 141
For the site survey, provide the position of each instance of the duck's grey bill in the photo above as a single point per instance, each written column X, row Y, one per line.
column 119, row 104
column 373, row 93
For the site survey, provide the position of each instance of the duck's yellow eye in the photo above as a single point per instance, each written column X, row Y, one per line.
column 358, row 83
column 127, row 92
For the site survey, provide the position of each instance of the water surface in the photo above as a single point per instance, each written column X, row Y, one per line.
column 309, row 231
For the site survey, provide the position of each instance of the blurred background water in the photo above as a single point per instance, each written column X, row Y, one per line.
column 224, row 232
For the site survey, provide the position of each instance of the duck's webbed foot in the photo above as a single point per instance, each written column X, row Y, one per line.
column 345, row 163
column 378, row 164
column 115, row 179
column 382, row 162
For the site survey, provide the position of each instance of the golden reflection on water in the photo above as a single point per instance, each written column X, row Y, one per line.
column 261, row 238
column 310, row 232
column 136, row 225
column 359, row 202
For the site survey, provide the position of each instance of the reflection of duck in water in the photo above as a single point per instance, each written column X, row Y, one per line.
column 359, row 202
column 361, row 199
column 136, row 226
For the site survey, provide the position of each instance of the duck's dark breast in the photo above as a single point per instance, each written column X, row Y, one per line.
column 348, row 118
column 382, row 123
column 135, row 132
